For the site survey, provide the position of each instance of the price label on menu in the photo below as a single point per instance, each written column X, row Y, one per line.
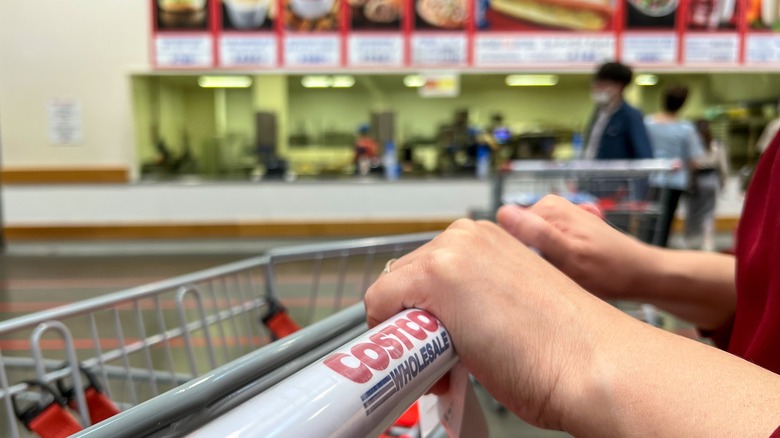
column 241, row 51
column 763, row 49
column 312, row 51
column 183, row 51
column 376, row 50
column 511, row 50
column 650, row 49
column 709, row 48
column 439, row 49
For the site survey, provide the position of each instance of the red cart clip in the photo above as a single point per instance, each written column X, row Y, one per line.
column 278, row 321
column 100, row 407
column 48, row 417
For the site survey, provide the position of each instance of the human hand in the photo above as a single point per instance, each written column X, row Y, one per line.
column 522, row 328
column 601, row 259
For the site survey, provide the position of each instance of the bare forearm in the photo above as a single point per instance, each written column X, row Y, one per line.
column 645, row 382
column 695, row 286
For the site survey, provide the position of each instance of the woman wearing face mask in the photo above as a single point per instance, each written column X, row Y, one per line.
column 616, row 130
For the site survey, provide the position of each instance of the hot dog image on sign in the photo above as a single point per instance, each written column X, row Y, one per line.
column 533, row 15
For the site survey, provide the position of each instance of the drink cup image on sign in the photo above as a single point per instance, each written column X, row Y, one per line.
column 589, row 15
column 247, row 14
column 712, row 14
column 445, row 14
column 763, row 14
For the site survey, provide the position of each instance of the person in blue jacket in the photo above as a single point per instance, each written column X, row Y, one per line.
column 616, row 130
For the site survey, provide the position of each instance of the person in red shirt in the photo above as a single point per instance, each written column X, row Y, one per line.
column 366, row 151
column 537, row 334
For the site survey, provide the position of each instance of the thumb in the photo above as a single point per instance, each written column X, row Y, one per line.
column 534, row 231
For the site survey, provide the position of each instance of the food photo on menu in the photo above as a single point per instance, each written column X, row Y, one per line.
column 710, row 15
column 763, row 14
column 440, row 14
column 311, row 15
column 182, row 14
column 652, row 14
column 535, row 15
column 376, row 14
column 248, row 15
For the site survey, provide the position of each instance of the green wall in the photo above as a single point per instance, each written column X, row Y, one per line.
column 180, row 106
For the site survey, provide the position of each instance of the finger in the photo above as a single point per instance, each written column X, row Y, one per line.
column 394, row 292
column 534, row 231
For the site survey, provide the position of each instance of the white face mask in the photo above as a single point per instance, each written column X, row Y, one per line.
column 601, row 97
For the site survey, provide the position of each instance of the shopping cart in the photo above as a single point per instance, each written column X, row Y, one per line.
column 622, row 190
column 63, row 369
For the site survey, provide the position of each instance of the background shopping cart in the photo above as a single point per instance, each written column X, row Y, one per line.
column 621, row 189
column 141, row 342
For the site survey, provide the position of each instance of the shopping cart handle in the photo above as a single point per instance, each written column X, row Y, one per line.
column 356, row 391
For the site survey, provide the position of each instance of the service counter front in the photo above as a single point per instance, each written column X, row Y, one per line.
column 352, row 207
column 223, row 210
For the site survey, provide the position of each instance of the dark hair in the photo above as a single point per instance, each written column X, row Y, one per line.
column 614, row 72
column 674, row 97
column 703, row 128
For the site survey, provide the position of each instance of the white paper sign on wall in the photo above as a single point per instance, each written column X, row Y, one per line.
column 65, row 121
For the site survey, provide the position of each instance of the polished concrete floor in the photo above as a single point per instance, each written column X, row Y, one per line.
column 42, row 276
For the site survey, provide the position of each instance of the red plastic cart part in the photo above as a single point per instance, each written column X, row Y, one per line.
column 54, row 422
column 279, row 322
column 410, row 418
column 100, row 407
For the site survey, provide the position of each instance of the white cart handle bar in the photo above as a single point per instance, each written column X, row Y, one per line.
column 356, row 391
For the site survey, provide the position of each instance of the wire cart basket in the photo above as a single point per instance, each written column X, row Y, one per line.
column 622, row 189
column 210, row 334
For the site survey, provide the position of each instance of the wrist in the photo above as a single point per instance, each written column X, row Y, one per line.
column 644, row 271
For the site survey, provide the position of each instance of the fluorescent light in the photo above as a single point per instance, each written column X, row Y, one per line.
column 646, row 80
column 414, row 81
column 225, row 81
column 317, row 81
column 343, row 81
column 531, row 80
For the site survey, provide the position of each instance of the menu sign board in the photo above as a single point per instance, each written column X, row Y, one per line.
column 762, row 40
column 651, row 32
column 183, row 37
column 247, row 38
column 515, row 34
column 542, row 32
column 439, row 37
column 376, row 38
column 711, row 35
column 312, row 33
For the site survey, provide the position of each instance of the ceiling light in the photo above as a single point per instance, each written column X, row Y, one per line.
column 531, row 80
column 414, row 81
column 317, row 81
column 343, row 81
column 225, row 81
column 646, row 80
